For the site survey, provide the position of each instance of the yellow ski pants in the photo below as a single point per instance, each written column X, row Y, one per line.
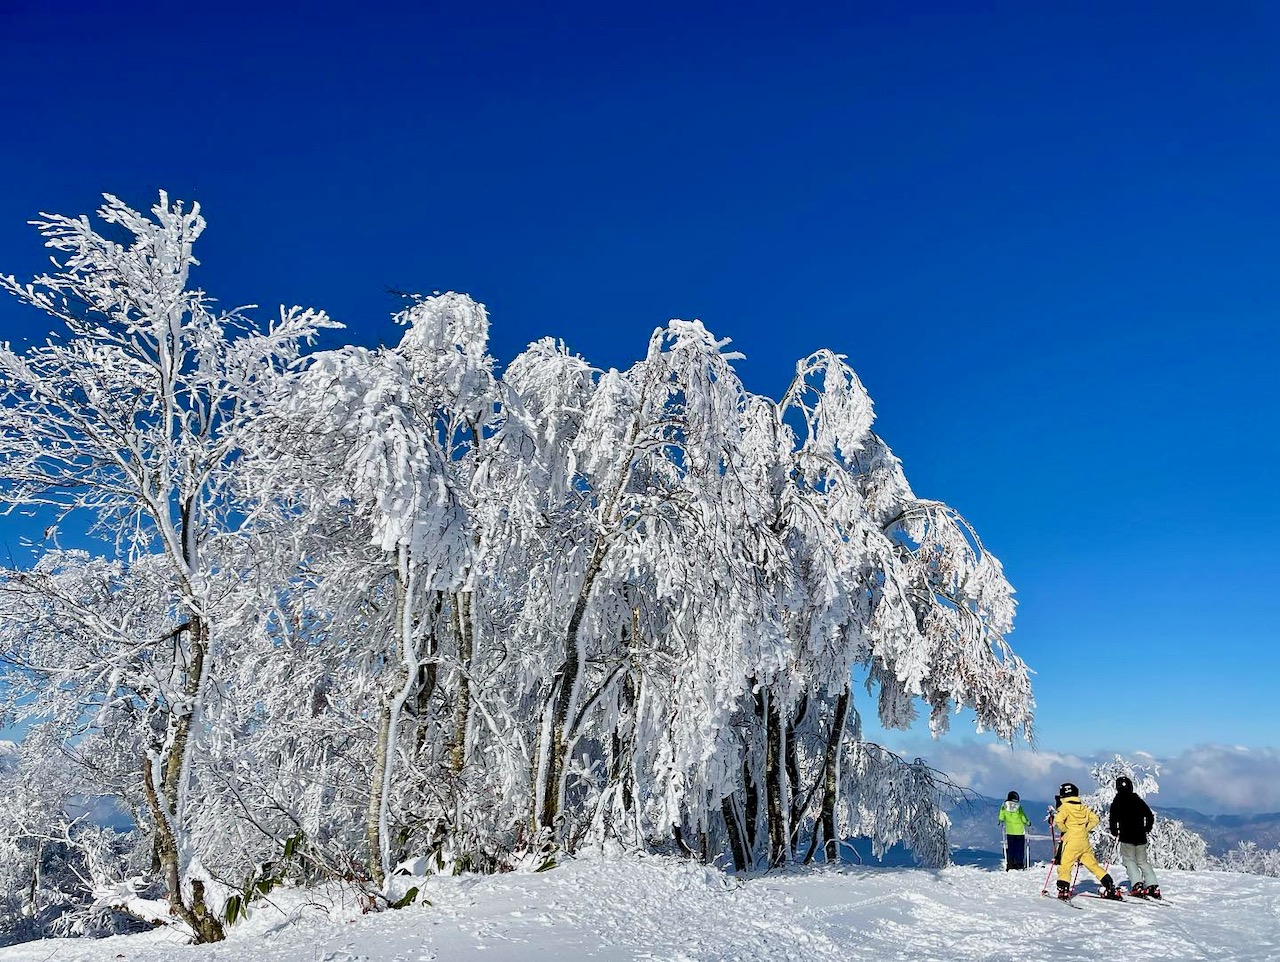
column 1078, row 850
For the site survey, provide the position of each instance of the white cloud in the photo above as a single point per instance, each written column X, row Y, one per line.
column 1222, row 779
column 994, row 769
column 1213, row 779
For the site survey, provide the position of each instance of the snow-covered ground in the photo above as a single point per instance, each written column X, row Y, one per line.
column 658, row 909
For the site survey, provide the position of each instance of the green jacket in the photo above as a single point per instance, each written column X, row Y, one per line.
column 1015, row 821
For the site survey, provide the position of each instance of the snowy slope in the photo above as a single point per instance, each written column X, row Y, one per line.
column 656, row 909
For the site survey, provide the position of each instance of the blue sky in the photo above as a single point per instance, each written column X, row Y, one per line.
column 1045, row 239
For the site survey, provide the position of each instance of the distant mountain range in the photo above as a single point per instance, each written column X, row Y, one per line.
column 1224, row 832
column 974, row 825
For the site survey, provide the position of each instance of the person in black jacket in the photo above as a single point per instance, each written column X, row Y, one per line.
column 1131, row 820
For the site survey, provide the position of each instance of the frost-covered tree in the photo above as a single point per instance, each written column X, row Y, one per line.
column 1250, row 859
column 56, row 858
column 368, row 456
column 765, row 566
column 921, row 606
column 127, row 416
column 655, row 483
column 353, row 607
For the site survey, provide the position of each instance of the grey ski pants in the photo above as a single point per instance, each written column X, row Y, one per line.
column 1136, row 864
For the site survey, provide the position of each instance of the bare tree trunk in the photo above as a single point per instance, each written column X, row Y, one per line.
column 750, row 812
column 566, row 690
column 751, row 789
column 373, row 815
column 547, row 797
column 175, row 761
column 165, row 804
column 796, row 808
column 205, row 926
column 829, row 762
column 462, row 706
column 33, row 906
column 393, row 701
column 427, row 675
column 678, row 834
column 773, row 776
column 735, row 834
column 621, row 749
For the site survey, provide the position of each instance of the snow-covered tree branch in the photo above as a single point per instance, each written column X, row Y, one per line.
column 366, row 606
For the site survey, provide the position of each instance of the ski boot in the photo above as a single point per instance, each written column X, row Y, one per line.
column 1109, row 889
column 1153, row 892
column 1138, row 890
column 1064, row 889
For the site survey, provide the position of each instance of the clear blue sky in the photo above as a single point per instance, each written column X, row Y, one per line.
column 1047, row 241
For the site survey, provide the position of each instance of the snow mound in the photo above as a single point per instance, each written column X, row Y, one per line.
column 660, row 909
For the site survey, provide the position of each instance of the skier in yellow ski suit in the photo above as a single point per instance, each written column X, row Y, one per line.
column 1075, row 821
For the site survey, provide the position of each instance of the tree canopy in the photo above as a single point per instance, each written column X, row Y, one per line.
column 346, row 608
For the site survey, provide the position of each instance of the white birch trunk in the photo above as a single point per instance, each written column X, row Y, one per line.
column 384, row 761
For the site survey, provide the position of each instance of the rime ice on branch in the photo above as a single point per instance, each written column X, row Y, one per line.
column 396, row 604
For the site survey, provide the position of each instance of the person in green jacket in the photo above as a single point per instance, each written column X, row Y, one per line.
column 1014, row 822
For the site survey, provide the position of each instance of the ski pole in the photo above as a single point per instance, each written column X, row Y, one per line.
column 1048, row 875
column 1053, row 840
column 1106, row 869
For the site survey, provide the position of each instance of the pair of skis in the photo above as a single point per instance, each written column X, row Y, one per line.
column 1148, row 899
column 1057, row 855
column 1071, row 899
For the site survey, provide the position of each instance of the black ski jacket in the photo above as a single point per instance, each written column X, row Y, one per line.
column 1131, row 818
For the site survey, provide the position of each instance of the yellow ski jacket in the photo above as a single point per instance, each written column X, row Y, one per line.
column 1075, row 820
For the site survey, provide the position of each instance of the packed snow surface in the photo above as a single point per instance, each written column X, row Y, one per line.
column 659, row 909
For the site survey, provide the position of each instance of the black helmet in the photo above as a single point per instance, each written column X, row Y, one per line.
column 1013, row 797
column 1069, row 791
column 1123, row 784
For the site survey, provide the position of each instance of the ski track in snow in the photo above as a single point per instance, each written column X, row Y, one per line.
column 657, row 910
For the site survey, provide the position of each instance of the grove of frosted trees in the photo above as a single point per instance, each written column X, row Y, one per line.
column 339, row 613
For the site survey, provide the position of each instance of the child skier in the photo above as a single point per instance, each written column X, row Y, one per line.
column 1130, row 821
column 1075, row 821
column 1014, row 822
